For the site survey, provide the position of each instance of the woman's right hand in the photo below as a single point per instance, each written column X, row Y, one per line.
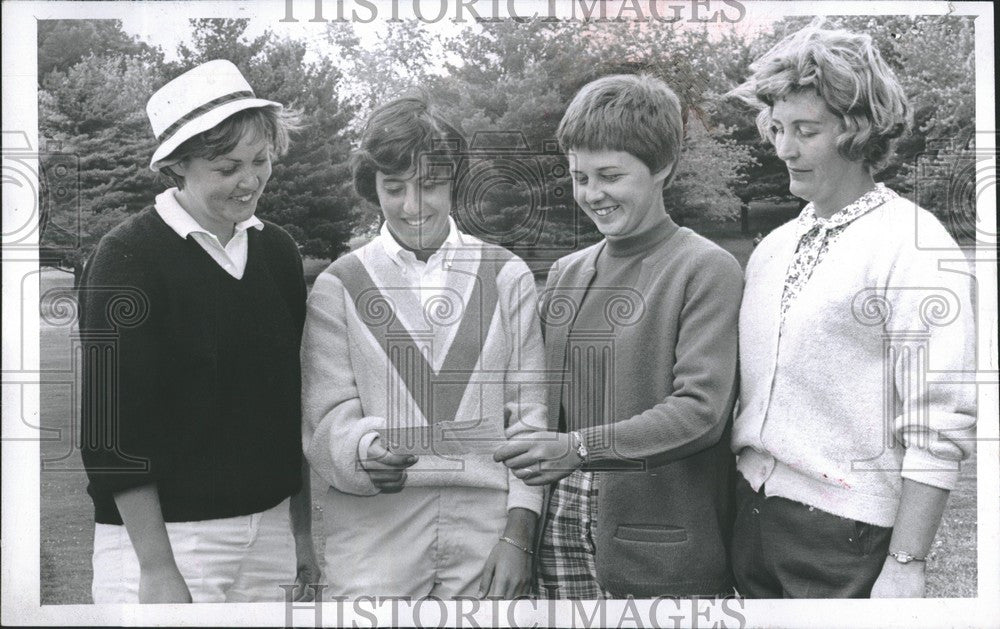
column 386, row 469
column 163, row 584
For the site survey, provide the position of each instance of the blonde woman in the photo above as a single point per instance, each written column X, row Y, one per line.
column 848, row 435
column 191, row 313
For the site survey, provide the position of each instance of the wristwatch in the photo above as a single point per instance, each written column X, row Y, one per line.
column 904, row 557
column 581, row 449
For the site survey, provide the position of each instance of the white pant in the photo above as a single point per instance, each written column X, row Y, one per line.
column 241, row 559
column 421, row 541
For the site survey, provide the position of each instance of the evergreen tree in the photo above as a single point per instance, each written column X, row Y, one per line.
column 309, row 192
column 98, row 140
column 64, row 43
column 97, row 144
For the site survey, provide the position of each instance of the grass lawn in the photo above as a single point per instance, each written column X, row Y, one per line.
column 67, row 513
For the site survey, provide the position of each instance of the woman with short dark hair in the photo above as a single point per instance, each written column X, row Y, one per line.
column 424, row 331
column 640, row 337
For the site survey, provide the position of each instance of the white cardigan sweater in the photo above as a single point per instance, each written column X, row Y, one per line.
column 867, row 381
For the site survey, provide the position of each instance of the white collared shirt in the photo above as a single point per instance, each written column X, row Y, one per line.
column 427, row 279
column 232, row 257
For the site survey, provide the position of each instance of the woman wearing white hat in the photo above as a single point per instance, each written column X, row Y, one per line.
column 191, row 314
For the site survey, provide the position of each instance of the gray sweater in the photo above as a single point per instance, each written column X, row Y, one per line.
column 664, row 502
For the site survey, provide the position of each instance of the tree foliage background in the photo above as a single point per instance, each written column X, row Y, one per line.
column 506, row 84
column 92, row 119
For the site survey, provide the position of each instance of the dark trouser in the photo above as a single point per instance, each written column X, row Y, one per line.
column 785, row 549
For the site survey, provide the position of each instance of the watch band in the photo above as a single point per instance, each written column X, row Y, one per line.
column 581, row 448
column 904, row 557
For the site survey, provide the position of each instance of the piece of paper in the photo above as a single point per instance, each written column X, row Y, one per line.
column 445, row 438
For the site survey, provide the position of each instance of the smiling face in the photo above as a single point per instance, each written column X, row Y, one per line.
column 805, row 137
column 220, row 192
column 416, row 208
column 617, row 191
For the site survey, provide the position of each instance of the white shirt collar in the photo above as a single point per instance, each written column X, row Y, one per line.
column 397, row 253
column 184, row 224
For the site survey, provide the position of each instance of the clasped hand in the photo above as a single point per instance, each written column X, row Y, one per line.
column 539, row 458
column 387, row 469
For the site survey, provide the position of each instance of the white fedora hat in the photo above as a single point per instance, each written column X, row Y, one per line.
column 195, row 102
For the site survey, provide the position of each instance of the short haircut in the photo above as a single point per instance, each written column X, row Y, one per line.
column 397, row 134
column 633, row 113
column 268, row 122
column 845, row 70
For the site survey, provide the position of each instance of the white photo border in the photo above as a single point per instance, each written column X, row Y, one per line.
column 21, row 358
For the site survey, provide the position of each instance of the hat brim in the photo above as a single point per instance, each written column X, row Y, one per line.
column 203, row 123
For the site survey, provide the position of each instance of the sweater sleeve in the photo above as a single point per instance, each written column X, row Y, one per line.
column 545, row 298
column 295, row 284
column 122, row 406
column 931, row 330
column 695, row 415
column 334, row 426
column 544, row 303
column 524, row 379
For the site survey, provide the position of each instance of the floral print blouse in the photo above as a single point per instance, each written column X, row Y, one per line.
column 817, row 234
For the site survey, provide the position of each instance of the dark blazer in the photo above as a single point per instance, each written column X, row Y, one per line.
column 664, row 468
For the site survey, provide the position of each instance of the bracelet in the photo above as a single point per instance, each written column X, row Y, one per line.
column 504, row 538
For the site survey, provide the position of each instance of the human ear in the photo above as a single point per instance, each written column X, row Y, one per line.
column 661, row 175
column 180, row 168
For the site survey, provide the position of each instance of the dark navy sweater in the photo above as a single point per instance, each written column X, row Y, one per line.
column 191, row 378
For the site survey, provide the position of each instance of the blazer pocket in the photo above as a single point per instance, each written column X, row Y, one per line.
column 650, row 533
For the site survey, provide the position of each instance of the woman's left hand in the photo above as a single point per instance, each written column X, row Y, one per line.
column 539, row 458
column 900, row 580
column 307, row 572
column 507, row 573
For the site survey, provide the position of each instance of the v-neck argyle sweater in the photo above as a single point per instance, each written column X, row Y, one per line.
column 190, row 376
column 374, row 356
